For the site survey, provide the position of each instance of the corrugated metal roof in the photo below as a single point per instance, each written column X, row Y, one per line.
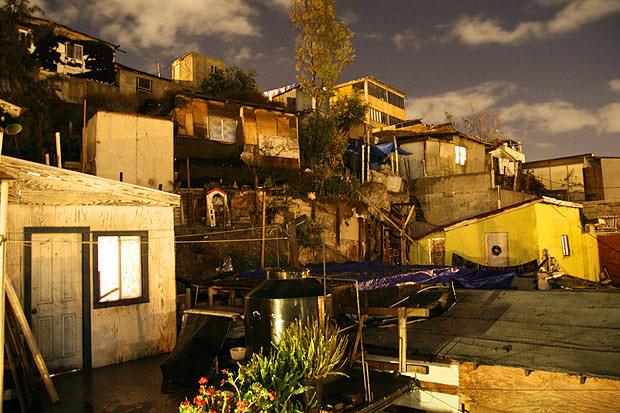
column 574, row 332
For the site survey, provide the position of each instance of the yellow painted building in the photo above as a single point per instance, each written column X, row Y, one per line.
column 386, row 104
column 515, row 235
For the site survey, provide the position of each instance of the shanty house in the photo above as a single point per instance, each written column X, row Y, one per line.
column 514, row 235
column 218, row 136
column 93, row 263
column 60, row 49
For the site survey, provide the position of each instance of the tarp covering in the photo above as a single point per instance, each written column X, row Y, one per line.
column 382, row 150
column 199, row 343
column 530, row 266
column 373, row 275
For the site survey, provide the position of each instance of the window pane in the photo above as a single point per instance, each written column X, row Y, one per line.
column 107, row 263
column 215, row 128
column 230, row 130
column 131, row 273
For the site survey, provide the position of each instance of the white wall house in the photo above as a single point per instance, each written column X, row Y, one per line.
column 93, row 263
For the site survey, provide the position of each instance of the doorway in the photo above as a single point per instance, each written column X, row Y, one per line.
column 57, row 294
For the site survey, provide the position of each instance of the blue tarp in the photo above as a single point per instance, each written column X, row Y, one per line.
column 374, row 275
column 383, row 150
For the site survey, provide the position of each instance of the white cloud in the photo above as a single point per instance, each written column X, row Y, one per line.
column 544, row 145
column 551, row 117
column 140, row 24
column 459, row 103
column 614, row 85
column 349, row 17
column 376, row 36
column 243, row 55
column 609, row 116
column 283, row 4
column 474, row 30
column 406, row 40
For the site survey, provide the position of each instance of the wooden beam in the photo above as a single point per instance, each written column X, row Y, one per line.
column 263, row 230
column 402, row 339
column 58, row 151
column 409, row 312
column 20, row 317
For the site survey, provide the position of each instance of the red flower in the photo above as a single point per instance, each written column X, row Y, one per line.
column 242, row 406
column 185, row 403
column 199, row 401
column 211, row 391
column 203, row 380
column 272, row 395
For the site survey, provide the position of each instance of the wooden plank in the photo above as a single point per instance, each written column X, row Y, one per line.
column 410, row 312
column 402, row 339
column 20, row 317
column 508, row 389
column 33, row 178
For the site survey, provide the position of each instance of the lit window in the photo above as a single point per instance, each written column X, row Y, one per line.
column 460, row 155
column 121, row 260
column 74, row 51
column 565, row 246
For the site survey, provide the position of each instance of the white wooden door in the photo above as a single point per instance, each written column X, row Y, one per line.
column 56, row 299
column 496, row 244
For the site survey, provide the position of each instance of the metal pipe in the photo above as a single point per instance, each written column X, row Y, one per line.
column 4, row 206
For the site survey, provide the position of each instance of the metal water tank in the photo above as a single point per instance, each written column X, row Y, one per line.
column 278, row 301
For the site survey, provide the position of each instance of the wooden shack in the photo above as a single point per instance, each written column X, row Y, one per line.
column 222, row 139
column 512, row 351
column 93, row 263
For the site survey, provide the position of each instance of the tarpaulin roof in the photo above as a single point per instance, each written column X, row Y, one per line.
column 374, row 275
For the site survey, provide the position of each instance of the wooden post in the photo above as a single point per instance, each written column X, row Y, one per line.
column 30, row 341
column 58, row 151
column 263, row 232
column 363, row 168
column 396, row 156
column 402, row 339
column 83, row 159
column 4, row 209
column 403, row 241
column 47, row 159
column 190, row 215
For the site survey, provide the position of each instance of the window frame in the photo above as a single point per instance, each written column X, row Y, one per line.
column 460, row 155
column 140, row 90
column 565, row 245
column 144, row 276
column 73, row 49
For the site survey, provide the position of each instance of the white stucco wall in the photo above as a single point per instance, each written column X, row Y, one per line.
column 141, row 147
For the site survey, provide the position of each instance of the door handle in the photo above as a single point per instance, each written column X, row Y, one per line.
column 33, row 311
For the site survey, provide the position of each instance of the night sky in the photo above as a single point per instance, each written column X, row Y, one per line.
column 549, row 68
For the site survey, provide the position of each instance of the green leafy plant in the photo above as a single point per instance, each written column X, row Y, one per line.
column 316, row 345
column 307, row 352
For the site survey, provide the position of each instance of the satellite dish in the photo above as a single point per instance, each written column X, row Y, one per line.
column 13, row 129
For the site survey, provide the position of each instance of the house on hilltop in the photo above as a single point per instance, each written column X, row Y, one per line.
column 386, row 104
